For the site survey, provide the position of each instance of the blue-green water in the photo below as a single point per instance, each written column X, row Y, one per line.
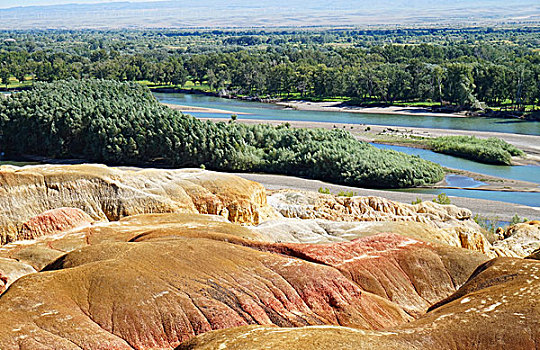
column 272, row 112
column 524, row 173
column 526, row 198
column 462, row 181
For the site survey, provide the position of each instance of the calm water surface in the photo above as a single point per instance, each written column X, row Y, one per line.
column 272, row 112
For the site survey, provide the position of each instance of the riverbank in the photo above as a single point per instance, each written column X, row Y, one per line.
column 402, row 136
column 487, row 208
column 339, row 107
column 192, row 109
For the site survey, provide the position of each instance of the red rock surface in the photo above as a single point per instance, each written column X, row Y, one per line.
column 54, row 221
column 411, row 273
column 496, row 309
column 155, row 294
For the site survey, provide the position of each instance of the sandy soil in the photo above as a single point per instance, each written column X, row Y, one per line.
column 501, row 210
column 336, row 107
column 187, row 109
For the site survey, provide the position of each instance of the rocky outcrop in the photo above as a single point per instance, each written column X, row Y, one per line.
column 156, row 280
column 427, row 220
column 325, row 231
column 411, row 273
column 45, row 249
column 521, row 239
column 495, row 309
column 106, row 193
column 162, row 272
column 54, row 221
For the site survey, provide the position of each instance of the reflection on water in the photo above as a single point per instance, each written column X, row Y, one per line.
column 462, row 181
column 273, row 112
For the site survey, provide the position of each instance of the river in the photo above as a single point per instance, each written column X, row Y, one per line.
column 272, row 112
column 266, row 111
column 524, row 173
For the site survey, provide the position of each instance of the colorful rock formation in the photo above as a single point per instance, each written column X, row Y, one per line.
column 134, row 261
column 109, row 194
column 521, row 239
column 496, row 309
column 441, row 223
column 54, row 221
column 159, row 293
column 41, row 251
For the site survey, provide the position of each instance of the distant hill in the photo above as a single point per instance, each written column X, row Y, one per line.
column 270, row 13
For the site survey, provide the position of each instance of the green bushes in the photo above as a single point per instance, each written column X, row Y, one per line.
column 491, row 150
column 442, row 198
column 122, row 123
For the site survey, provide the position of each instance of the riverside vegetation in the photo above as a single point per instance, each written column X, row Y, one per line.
column 468, row 68
column 491, row 150
column 122, row 123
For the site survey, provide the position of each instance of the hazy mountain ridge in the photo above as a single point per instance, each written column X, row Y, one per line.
column 213, row 13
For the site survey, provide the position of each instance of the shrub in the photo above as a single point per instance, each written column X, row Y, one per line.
column 491, row 150
column 516, row 219
column 442, row 198
column 122, row 123
column 324, row 190
column 417, row 201
column 346, row 194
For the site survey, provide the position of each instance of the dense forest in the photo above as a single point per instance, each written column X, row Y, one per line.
column 470, row 68
column 122, row 123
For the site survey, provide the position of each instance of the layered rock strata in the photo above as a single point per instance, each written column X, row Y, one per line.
column 441, row 223
column 106, row 193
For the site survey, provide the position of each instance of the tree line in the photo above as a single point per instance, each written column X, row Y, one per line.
column 122, row 123
column 463, row 73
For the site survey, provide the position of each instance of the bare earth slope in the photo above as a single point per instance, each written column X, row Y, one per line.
column 162, row 291
column 495, row 309
column 164, row 274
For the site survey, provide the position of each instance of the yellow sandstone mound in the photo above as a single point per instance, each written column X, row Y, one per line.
column 106, row 193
